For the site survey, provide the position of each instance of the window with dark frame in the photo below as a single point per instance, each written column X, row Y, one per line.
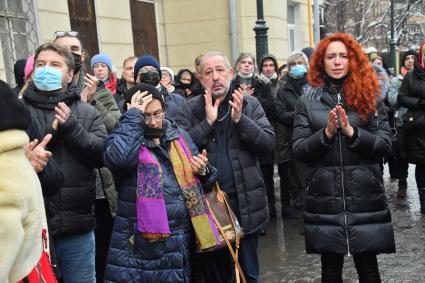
column 143, row 25
column 82, row 18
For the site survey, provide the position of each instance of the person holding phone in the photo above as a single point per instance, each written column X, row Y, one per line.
column 341, row 133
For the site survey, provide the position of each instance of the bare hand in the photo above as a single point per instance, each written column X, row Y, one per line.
column 199, row 163
column 236, row 104
column 331, row 127
column 248, row 89
column 55, row 124
column 210, row 109
column 62, row 113
column 88, row 92
column 346, row 128
column 140, row 100
column 37, row 154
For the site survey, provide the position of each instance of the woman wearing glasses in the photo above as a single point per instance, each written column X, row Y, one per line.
column 341, row 132
column 159, row 174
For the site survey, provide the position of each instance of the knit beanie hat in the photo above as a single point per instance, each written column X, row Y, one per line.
column 101, row 58
column 407, row 53
column 143, row 87
column 13, row 113
column 168, row 70
column 146, row 60
column 308, row 51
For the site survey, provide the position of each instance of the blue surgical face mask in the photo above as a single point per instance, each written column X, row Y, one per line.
column 47, row 78
column 298, row 71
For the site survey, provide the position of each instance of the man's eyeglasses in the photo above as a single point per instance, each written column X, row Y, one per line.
column 155, row 117
column 66, row 33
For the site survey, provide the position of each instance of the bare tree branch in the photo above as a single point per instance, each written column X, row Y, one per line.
column 369, row 20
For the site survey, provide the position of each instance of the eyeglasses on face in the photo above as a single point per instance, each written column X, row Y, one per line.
column 154, row 117
column 66, row 33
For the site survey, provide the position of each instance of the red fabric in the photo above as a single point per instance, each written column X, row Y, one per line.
column 112, row 84
column 43, row 271
column 404, row 71
column 421, row 63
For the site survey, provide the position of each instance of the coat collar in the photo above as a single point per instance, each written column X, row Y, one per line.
column 44, row 101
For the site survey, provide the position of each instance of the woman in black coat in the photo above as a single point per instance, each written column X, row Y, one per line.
column 412, row 96
column 341, row 132
column 258, row 87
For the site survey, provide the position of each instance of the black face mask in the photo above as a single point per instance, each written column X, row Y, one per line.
column 151, row 78
column 152, row 133
column 185, row 86
column 77, row 62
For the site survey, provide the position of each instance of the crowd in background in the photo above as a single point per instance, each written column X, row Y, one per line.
column 115, row 166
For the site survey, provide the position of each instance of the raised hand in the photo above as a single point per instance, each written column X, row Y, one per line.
column 248, row 89
column 199, row 163
column 346, row 128
column 331, row 127
column 37, row 154
column 236, row 105
column 139, row 100
column 211, row 109
column 62, row 113
column 88, row 92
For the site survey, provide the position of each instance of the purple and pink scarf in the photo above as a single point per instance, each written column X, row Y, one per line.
column 152, row 219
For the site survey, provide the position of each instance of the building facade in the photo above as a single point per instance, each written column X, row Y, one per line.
column 175, row 31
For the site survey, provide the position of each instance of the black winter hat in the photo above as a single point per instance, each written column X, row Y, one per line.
column 146, row 60
column 308, row 51
column 143, row 87
column 13, row 113
column 407, row 53
column 19, row 70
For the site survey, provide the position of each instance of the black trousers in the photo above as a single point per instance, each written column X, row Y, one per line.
column 268, row 172
column 291, row 189
column 420, row 175
column 401, row 164
column 366, row 266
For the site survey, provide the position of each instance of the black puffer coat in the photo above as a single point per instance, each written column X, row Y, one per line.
column 77, row 147
column 412, row 96
column 346, row 209
column 285, row 110
column 262, row 92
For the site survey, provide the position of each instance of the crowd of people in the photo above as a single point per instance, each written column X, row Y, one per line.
column 106, row 173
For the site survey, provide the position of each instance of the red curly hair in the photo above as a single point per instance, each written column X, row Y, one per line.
column 361, row 87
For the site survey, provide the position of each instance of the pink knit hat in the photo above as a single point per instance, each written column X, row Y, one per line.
column 29, row 67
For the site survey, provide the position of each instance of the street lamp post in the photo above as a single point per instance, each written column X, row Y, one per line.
column 260, row 29
column 393, row 41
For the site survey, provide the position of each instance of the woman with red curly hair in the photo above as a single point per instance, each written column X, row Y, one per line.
column 341, row 132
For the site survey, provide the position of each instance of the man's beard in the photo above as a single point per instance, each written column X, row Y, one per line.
column 220, row 94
